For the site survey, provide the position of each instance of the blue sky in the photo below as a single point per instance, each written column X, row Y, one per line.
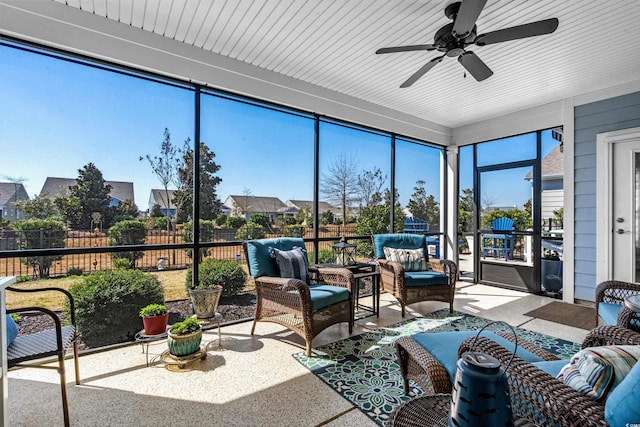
column 57, row 116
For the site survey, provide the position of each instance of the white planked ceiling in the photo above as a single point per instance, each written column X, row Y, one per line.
column 331, row 44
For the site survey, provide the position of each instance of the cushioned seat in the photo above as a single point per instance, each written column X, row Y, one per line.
column 325, row 295
column 421, row 278
column 440, row 345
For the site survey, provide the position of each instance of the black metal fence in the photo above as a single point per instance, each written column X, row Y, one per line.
column 83, row 252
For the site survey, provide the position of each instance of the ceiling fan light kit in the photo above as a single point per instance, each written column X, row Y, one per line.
column 453, row 39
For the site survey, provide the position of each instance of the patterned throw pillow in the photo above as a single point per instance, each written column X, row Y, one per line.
column 410, row 259
column 293, row 264
column 596, row 371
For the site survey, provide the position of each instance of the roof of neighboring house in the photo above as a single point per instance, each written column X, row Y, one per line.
column 54, row 187
column 257, row 204
column 308, row 204
column 8, row 191
column 552, row 164
column 158, row 196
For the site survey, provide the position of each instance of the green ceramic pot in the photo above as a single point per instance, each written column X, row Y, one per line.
column 184, row 345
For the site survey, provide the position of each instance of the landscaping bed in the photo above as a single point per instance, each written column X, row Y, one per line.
column 232, row 308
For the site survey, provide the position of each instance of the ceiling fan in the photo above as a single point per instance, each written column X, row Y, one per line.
column 455, row 37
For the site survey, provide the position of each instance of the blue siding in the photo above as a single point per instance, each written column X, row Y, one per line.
column 591, row 119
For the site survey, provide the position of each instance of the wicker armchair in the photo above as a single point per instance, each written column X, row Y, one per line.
column 610, row 306
column 540, row 397
column 299, row 306
column 29, row 350
column 410, row 287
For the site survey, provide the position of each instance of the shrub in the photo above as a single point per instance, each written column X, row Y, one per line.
column 40, row 234
column 235, row 222
column 207, row 230
column 129, row 232
column 75, row 271
column 212, row 272
column 160, row 222
column 122, row 263
column 221, row 220
column 250, row 231
column 261, row 219
column 108, row 304
column 296, row 230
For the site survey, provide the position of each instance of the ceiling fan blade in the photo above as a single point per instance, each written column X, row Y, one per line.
column 467, row 17
column 532, row 29
column 406, row 48
column 422, row 71
column 474, row 65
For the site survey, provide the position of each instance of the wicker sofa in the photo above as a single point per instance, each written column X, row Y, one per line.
column 536, row 395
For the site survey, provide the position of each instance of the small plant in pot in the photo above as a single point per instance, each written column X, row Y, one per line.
column 154, row 319
column 184, row 337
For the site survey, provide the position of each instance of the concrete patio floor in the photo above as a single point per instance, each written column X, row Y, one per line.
column 248, row 381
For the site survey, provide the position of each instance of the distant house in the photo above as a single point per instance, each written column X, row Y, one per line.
column 552, row 181
column 10, row 193
column 56, row 187
column 246, row 206
column 307, row 205
column 159, row 197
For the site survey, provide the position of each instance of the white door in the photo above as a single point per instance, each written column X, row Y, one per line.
column 625, row 213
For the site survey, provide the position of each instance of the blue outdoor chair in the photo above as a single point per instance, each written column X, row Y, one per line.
column 490, row 240
column 291, row 300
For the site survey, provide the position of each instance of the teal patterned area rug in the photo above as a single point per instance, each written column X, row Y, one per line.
column 364, row 370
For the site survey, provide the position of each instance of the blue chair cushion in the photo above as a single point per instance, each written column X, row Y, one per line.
column 422, row 278
column 609, row 312
column 621, row 407
column 325, row 295
column 400, row 241
column 12, row 330
column 444, row 347
column 259, row 258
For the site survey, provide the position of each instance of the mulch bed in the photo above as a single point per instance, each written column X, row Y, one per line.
column 232, row 308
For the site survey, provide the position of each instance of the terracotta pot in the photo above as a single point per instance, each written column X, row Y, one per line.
column 155, row 325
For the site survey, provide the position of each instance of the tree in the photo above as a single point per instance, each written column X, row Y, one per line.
column 375, row 220
column 340, row 184
column 128, row 232
column 40, row 234
column 165, row 166
column 423, row 206
column 88, row 195
column 370, row 185
column 40, row 207
column 209, row 207
column 465, row 210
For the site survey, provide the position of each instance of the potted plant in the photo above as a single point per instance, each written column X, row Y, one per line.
column 551, row 271
column 154, row 319
column 215, row 277
column 184, row 337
